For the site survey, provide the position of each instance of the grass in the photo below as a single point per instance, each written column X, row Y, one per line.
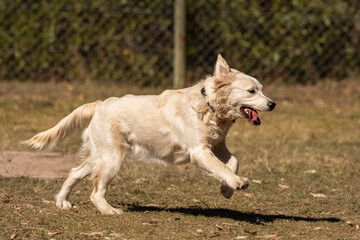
column 303, row 163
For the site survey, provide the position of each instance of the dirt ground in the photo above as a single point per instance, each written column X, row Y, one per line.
column 42, row 165
column 303, row 163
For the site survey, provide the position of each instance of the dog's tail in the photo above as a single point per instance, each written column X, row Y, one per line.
column 78, row 119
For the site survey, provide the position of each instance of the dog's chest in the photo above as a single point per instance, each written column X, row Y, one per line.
column 218, row 131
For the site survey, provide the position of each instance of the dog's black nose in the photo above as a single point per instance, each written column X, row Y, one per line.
column 271, row 105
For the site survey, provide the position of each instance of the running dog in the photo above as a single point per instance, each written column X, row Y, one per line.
column 175, row 127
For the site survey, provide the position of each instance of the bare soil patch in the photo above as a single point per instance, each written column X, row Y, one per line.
column 43, row 165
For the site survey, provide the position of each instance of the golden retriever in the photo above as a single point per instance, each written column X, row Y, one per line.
column 175, row 127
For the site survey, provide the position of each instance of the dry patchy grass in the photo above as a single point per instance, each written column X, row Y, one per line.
column 303, row 163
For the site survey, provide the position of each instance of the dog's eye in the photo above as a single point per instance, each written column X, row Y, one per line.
column 251, row 91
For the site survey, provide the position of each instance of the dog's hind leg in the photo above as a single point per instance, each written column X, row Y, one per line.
column 75, row 176
column 230, row 161
column 106, row 169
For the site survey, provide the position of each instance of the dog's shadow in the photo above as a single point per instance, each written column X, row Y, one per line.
column 254, row 218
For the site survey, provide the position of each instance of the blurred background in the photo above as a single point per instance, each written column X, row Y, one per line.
column 303, row 162
column 133, row 41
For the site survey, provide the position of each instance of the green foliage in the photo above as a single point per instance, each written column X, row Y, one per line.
column 82, row 39
column 131, row 41
column 306, row 40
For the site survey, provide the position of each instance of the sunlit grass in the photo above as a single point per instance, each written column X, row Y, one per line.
column 310, row 144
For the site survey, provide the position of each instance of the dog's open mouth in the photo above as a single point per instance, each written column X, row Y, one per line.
column 250, row 114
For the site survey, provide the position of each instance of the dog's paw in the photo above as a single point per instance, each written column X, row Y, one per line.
column 63, row 205
column 227, row 191
column 115, row 211
column 242, row 183
column 111, row 211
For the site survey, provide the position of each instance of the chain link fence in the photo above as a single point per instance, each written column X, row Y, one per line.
column 132, row 41
column 105, row 40
column 287, row 41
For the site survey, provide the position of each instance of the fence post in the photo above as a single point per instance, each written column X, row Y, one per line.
column 179, row 44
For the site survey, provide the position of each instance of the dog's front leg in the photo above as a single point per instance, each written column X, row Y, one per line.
column 221, row 152
column 205, row 159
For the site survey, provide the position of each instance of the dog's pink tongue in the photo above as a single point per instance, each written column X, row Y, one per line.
column 253, row 115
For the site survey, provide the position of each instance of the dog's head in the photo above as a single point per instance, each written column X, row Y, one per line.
column 238, row 95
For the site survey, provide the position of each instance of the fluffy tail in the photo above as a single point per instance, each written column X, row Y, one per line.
column 75, row 120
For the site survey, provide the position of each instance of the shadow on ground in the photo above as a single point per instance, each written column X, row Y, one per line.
column 254, row 218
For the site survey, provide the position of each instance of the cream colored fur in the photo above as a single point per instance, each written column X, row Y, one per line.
column 175, row 127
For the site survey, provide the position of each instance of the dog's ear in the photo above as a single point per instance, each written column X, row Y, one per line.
column 221, row 67
column 234, row 70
